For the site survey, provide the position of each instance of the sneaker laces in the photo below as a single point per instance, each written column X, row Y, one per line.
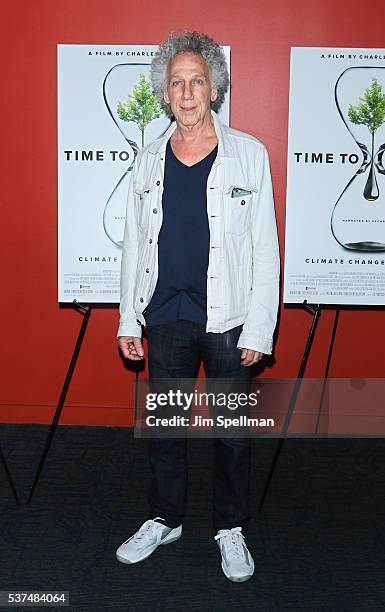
column 146, row 530
column 232, row 540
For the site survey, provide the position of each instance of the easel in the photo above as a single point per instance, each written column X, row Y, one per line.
column 316, row 312
column 9, row 477
column 85, row 311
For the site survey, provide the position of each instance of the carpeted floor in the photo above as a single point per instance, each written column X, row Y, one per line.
column 318, row 545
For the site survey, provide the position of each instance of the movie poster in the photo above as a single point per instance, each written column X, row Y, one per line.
column 335, row 217
column 102, row 124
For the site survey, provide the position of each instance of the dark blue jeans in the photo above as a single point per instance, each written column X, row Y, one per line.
column 175, row 351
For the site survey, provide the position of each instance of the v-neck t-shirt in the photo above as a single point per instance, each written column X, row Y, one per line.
column 183, row 243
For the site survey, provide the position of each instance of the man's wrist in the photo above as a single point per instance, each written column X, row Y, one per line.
column 255, row 342
column 130, row 328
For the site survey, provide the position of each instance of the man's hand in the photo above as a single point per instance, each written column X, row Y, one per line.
column 131, row 347
column 250, row 357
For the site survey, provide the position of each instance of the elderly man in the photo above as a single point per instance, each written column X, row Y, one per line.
column 200, row 269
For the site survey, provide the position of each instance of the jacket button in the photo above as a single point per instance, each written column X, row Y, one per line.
column 157, row 183
column 150, row 241
column 141, row 300
column 243, row 202
column 154, row 210
column 147, row 270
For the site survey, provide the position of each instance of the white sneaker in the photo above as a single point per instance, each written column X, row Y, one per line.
column 237, row 562
column 146, row 540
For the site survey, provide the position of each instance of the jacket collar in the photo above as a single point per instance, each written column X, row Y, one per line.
column 225, row 149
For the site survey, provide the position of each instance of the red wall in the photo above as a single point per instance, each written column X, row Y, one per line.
column 38, row 336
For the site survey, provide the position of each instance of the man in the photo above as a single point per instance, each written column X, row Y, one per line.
column 200, row 269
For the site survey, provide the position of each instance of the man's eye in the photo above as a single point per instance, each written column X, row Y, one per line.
column 198, row 81
column 175, row 83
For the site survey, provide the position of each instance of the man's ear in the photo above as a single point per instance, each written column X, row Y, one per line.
column 214, row 94
column 166, row 98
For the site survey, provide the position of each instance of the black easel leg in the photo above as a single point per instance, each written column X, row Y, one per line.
column 9, row 477
column 316, row 314
column 85, row 311
column 326, row 374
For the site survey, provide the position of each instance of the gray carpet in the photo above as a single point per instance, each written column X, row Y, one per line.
column 318, row 545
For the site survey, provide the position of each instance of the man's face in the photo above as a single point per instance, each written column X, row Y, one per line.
column 189, row 89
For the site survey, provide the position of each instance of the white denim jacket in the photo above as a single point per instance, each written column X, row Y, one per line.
column 243, row 268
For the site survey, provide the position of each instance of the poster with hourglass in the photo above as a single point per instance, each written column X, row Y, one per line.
column 107, row 111
column 335, row 214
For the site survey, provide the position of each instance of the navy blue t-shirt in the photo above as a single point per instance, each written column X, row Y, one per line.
column 183, row 244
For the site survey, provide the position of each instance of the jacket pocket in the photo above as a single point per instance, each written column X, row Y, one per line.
column 238, row 203
column 143, row 202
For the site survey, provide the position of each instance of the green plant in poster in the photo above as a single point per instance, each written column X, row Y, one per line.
column 142, row 106
column 370, row 112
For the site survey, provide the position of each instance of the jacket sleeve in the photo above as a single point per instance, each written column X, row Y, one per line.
column 128, row 325
column 261, row 318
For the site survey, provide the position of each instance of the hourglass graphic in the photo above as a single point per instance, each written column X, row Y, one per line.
column 118, row 83
column 358, row 217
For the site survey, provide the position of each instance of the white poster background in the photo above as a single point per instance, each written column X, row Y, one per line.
column 339, row 260
column 95, row 156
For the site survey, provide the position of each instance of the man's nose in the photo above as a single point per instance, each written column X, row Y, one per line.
column 187, row 90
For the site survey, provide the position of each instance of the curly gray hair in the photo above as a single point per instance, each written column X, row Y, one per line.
column 183, row 41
